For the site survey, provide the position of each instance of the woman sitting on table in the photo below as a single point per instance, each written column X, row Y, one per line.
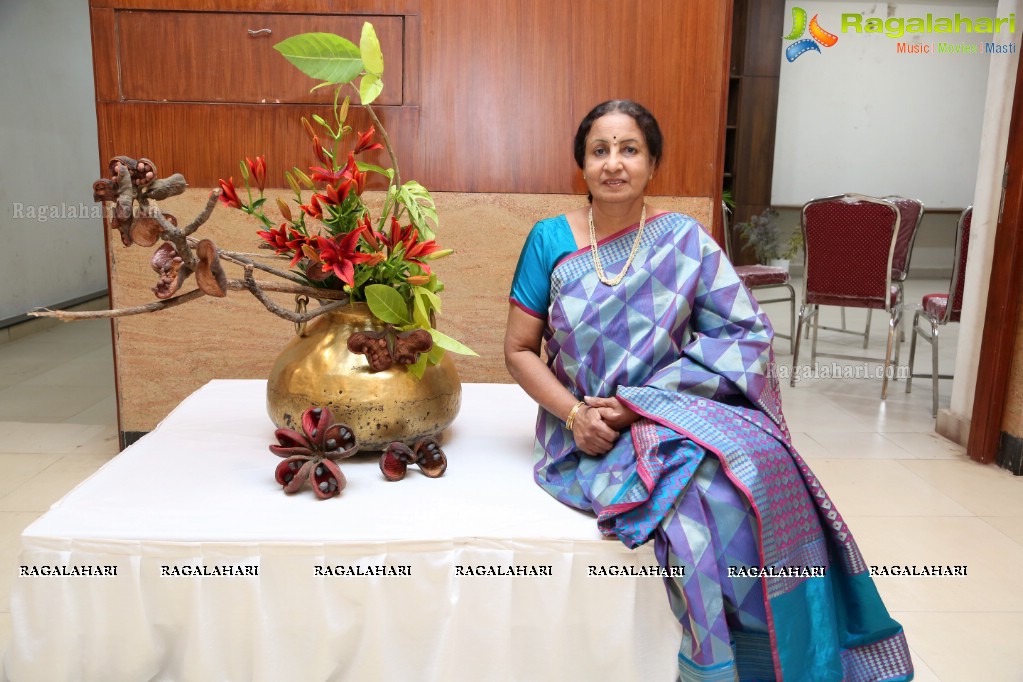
column 660, row 412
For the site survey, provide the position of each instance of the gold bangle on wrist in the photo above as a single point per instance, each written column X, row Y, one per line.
column 571, row 415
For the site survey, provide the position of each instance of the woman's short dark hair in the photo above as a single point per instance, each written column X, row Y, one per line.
column 644, row 119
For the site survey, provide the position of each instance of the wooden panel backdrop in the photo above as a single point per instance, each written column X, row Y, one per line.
column 483, row 105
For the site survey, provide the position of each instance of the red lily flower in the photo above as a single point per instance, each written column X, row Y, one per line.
column 371, row 236
column 336, row 195
column 420, row 249
column 319, row 151
column 320, row 174
column 313, row 208
column 257, row 169
column 285, row 239
column 415, row 253
column 341, row 256
column 364, row 142
column 228, row 193
column 360, row 181
column 400, row 235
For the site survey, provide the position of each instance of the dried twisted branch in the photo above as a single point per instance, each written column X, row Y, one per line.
column 296, row 317
column 135, row 182
column 234, row 285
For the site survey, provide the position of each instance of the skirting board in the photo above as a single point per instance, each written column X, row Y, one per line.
column 953, row 426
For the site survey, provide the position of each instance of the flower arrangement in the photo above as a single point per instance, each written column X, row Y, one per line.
column 333, row 241
column 338, row 252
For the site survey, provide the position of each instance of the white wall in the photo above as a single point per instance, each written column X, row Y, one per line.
column 860, row 117
column 50, row 156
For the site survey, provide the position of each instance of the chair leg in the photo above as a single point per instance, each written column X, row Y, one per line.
column 934, row 369
column 902, row 297
column 816, row 324
column 912, row 351
column 892, row 322
column 866, row 332
column 898, row 347
column 795, row 351
column 792, row 319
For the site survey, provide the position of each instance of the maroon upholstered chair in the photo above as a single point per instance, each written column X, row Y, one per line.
column 848, row 246
column 942, row 308
column 763, row 277
column 911, row 213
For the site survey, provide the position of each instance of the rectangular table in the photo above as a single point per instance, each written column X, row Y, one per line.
column 389, row 581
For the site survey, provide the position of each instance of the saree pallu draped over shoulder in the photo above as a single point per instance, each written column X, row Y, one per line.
column 772, row 584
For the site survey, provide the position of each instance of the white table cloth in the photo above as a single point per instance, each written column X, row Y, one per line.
column 199, row 491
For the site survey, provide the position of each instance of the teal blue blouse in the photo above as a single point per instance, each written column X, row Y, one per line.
column 548, row 242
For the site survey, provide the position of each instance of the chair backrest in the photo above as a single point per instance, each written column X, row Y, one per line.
column 848, row 244
column 955, row 291
column 911, row 212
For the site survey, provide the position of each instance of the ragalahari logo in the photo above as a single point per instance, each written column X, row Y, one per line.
column 818, row 36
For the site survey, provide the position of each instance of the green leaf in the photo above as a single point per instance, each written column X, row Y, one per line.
column 363, row 166
column 448, row 343
column 419, row 313
column 372, row 57
column 421, row 207
column 370, row 88
column 418, row 368
column 323, row 56
column 433, row 298
column 387, row 304
column 436, row 354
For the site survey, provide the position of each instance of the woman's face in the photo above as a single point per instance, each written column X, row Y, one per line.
column 617, row 166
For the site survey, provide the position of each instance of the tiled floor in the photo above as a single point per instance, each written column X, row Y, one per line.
column 911, row 497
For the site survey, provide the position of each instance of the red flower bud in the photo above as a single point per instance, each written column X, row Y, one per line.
column 365, row 143
column 257, row 169
column 319, row 151
column 228, row 193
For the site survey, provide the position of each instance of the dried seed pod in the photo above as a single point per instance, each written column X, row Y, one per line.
column 431, row 459
column 169, row 267
column 289, row 468
column 339, row 442
column 395, row 460
column 319, row 446
column 315, row 422
column 290, row 442
column 104, row 189
column 327, row 479
column 126, row 162
column 145, row 172
column 410, row 344
column 301, row 476
column 210, row 276
column 145, row 231
column 374, row 346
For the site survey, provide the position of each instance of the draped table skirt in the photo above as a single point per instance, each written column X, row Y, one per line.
column 182, row 559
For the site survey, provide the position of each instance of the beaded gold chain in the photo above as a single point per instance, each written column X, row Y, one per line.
column 599, row 267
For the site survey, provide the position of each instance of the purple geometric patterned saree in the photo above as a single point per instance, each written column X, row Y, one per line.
column 774, row 587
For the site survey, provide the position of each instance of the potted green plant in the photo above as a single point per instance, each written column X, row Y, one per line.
column 763, row 234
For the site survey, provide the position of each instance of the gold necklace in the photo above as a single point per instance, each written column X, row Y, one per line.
column 599, row 267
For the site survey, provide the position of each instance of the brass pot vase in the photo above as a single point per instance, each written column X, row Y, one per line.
column 317, row 369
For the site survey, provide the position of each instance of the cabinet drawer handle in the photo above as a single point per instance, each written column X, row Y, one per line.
column 260, row 32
